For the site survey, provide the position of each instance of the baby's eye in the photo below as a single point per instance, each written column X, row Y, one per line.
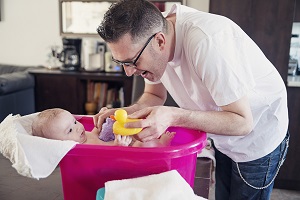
column 70, row 130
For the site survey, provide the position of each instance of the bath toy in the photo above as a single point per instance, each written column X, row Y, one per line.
column 121, row 118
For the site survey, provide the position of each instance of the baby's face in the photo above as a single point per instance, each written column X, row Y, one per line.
column 66, row 127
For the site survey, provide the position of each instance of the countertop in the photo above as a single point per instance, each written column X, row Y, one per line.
column 293, row 81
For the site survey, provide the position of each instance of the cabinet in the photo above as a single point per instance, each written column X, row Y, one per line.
column 297, row 11
column 289, row 176
column 269, row 24
column 68, row 90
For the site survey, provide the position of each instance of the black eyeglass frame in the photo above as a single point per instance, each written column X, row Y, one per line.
column 133, row 63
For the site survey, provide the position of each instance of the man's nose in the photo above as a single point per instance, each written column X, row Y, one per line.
column 129, row 70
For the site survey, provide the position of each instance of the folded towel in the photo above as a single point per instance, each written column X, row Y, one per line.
column 167, row 186
column 31, row 156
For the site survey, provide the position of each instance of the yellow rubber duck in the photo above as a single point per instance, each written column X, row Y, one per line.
column 121, row 118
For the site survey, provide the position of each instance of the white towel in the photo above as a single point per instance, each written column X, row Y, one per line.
column 167, row 186
column 31, row 156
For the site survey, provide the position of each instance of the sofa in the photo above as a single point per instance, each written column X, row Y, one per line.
column 16, row 90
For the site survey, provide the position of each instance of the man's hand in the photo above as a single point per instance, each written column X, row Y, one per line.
column 100, row 117
column 155, row 122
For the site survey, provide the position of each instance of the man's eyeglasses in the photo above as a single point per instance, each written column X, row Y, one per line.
column 133, row 63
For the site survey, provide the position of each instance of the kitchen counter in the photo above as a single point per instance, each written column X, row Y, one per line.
column 293, row 81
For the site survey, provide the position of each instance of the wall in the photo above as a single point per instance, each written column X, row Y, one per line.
column 29, row 28
column 202, row 5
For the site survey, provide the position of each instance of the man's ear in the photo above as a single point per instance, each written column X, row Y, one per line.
column 160, row 40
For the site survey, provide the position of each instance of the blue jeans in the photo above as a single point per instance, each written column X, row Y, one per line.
column 258, row 175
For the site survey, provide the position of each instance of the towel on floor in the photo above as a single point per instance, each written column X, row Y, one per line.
column 167, row 186
column 31, row 156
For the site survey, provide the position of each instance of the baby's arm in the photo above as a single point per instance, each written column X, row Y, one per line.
column 164, row 140
column 119, row 140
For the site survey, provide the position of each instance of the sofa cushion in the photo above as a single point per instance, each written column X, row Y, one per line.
column 14, row 78
column 7, row 69
column 15, row 81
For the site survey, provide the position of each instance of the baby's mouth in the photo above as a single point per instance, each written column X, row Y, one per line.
column 82, row 134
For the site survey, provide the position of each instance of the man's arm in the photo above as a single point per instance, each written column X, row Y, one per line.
column 153, row 95
column 233, row 119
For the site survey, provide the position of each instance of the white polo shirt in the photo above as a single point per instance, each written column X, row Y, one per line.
column 216, row 64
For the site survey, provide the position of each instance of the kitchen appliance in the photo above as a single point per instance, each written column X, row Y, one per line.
column 70, row 55
column 111, row 66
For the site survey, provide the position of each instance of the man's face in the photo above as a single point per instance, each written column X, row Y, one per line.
column 144, row 58
column 65, row 127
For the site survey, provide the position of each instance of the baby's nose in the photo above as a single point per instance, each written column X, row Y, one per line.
column 79, row 128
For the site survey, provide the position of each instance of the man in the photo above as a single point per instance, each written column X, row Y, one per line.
column 222, row 82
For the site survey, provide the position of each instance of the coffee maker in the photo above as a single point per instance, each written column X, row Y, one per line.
column 70, row 55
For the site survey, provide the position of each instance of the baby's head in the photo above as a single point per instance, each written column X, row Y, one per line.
column 58, row 124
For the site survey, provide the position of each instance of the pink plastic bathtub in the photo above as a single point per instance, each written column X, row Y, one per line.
column 86, row 168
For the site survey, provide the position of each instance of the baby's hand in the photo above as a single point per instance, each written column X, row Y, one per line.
column 122, row 140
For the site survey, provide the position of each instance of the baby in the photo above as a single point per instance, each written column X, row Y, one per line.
column 59, row 124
